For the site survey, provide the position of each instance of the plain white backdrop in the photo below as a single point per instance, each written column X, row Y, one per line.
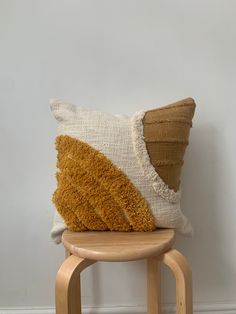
column 117, row 56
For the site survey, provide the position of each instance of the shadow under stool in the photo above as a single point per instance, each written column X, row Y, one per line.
column 86, row 248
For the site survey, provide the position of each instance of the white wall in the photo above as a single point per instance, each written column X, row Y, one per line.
column 120, row 57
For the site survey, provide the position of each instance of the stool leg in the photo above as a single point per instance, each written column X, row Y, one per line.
column 179, row 265
column 68, row 299
column 153, row 286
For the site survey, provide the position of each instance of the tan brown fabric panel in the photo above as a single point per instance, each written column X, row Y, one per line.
column 165, row 150
column 182, row 109
column 171, row 174
column 166, row 133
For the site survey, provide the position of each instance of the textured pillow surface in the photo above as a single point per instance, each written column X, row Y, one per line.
column 120, row 173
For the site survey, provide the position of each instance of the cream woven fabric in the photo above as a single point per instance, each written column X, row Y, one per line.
column 120, row 138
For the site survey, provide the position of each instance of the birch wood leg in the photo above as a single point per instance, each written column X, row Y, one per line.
column 179, row 265
column 153, row 286
column 68, row 299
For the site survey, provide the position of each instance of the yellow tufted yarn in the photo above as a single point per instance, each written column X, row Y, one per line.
column 93, row 194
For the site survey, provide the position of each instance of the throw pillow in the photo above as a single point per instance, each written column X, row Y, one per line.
column 120, row 173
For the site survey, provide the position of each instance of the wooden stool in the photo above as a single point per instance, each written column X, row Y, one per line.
column 86, row 248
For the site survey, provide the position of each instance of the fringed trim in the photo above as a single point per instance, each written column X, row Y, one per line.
column 143, row 158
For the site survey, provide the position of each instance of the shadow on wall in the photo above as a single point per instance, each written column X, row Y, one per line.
column 203, row 203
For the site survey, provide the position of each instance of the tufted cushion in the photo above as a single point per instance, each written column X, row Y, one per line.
column 120, row 173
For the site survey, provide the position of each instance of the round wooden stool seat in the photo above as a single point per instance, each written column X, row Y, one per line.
column 118, row 246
